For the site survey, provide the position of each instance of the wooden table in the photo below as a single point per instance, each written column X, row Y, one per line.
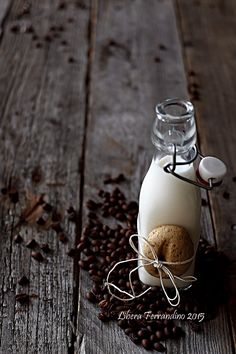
column 78, row 84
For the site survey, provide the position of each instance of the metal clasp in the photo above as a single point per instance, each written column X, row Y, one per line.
column 170, row 168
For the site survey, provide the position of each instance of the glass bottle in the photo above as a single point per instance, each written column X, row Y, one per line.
column 165, row 199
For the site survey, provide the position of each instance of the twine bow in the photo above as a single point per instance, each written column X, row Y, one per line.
column 161, row 266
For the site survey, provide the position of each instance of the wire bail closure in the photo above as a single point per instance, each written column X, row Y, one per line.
column 170, row 168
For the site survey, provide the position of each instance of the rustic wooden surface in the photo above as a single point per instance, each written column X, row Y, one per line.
column 81, row 105
column 42, row 109
column 208, row 32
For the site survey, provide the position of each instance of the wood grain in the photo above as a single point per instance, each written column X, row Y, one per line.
column 79, row 102
column 208, row 31
column 42, row 110
column 130, row 74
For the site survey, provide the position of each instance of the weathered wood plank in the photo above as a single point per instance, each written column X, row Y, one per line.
column 208, row 31
column 42, row 110
column 130, row 74
column 4, row 8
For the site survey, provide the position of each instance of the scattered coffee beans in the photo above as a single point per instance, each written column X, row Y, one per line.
column 101, row 246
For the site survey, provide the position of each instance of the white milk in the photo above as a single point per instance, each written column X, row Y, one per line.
column 165, row 199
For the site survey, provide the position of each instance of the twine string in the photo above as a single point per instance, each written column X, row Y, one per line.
column 161, row 266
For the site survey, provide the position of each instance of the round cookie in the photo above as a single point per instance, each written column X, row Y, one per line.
column 172, row 243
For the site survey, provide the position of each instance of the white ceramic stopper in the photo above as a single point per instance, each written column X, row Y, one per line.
column 211, row 167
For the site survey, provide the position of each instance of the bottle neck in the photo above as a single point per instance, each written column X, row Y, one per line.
column 181, row 157
column 174, row 128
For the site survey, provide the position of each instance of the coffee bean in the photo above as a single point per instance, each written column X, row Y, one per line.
column 83, row 264
column 103, row 317
column 143, row 333
column 159, row 347
column 122, row 324
column 62, row 237
column 41, row 221
column 103, row 304
column 4, row 191
column 73, row 252
column 101, row 193
column 80, row 246
column 93, row 266
column 72, row 217
column 226, row 195
column 105, row 214
column 90, row 259
column 60, row 28
column 22, row 298
column 71, row 60
column 111, row 211
column 108, row 259
column 160, row 335
column 131, row 218
column 18, row 238
column 135, row 339
column 187, row 307
column 47, row 38
column 15, row 28
column 167, row 332
column 129, row 233
column 45, row 247
column 62, row 6
column 128, row 331
column 111, row 246
column 87, row 251
column 149, row 328
column 168, row 323
column 37, row 256
column 57, row 228
column 121, row 283
column 47, row 207
column 31, row 244
column 133, row 206
column 140, row 307
column 97, row 279
column 92, row 215
column 14, row 197
column 119, row 178
column 96, row 289
column 177, row 331
column 152, row 338
column 146, row 344
column 95, row 243
column 91, row 296
column 38, row 45
column 91, row 205
column 92, row 272
column 152, row 307
column 114, row 254
column 23, row 280
column 120, row 216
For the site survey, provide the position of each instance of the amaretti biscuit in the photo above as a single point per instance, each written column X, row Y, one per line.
column 171, row 243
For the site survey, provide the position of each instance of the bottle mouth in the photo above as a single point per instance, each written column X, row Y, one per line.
column 174, row 125
column 174, row 110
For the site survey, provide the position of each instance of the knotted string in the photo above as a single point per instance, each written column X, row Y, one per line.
column 159, row 265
